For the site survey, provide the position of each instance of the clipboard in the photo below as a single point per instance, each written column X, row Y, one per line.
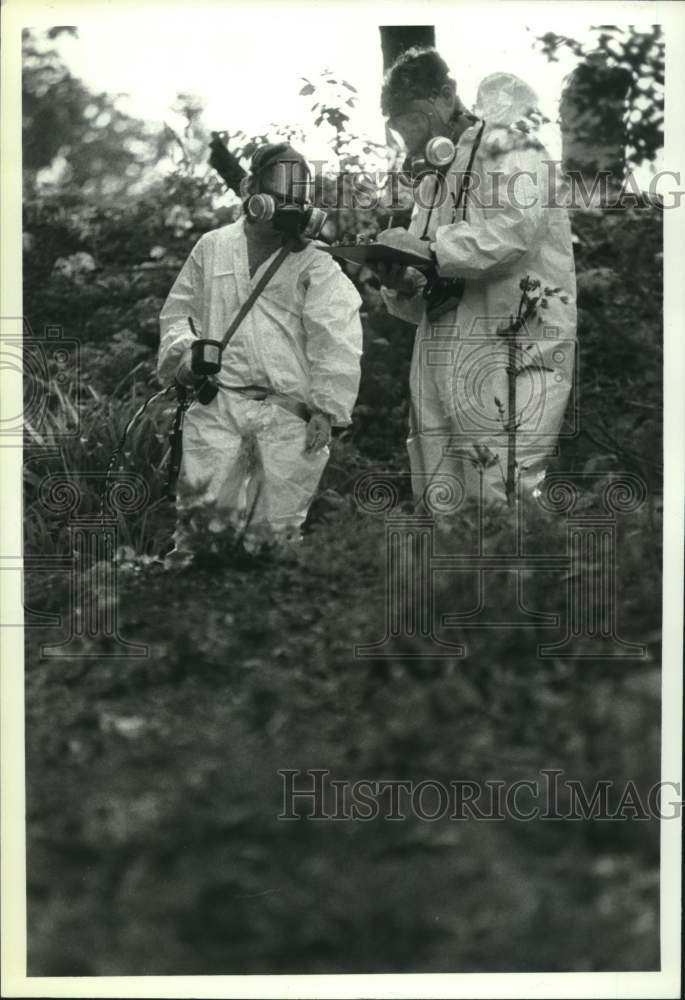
column 374, row 253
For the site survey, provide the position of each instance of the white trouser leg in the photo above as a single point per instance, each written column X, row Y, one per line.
column 213, row 471
column 448, row 413
column 243, row 456
column 289, row 475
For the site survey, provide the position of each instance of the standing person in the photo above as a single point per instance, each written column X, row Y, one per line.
column 289, row 373
column 493, row 215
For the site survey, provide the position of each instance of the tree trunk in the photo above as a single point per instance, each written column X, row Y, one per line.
column 396, row 39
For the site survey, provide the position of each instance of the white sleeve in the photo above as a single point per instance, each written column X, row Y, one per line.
column 407, row 306
column 507, row 226
column 333, row 341
column 184, row 300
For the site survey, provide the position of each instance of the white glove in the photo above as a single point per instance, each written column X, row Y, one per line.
column 185, row 375
column 318, row 432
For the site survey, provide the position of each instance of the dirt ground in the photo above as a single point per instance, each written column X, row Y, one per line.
column 154, row 845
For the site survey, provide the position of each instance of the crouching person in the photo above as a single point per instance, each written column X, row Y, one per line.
column 253, row 456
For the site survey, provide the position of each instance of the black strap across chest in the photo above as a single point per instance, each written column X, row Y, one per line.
column 255, row 293
column 464, row 186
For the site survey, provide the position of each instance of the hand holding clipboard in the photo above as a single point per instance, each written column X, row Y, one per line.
column 392, row 247
column 391, row 254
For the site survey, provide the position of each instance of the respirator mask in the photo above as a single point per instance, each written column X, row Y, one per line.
column 429, row 154
column 287, row 216
column 283, row 199
column 435, row 158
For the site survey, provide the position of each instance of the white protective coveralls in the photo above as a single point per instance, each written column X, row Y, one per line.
column 302, row 338
column 516, row 226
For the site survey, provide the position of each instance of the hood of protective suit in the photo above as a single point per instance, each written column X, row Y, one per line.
column 511, row 111
column 504, row 99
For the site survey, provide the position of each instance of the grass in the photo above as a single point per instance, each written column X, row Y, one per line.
column 155, row 786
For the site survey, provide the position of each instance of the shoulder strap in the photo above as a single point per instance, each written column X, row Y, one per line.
column 464, row 187
column 255, row 293
column 439, row 181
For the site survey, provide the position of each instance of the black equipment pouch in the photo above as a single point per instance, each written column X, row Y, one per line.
column 205, row 357
column 207, row 391
column 441, row 295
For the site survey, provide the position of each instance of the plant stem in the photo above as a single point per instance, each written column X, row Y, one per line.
column 510, row 486
column 512, row 346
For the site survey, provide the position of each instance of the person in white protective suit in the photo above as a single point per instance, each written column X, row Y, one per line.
column 506, row 222
column 288, row 375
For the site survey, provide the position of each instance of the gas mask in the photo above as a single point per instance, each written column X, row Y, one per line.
column 289, row 217
column 429, row 138
column 436, row 157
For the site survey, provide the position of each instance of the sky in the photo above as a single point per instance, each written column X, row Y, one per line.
column 246, row 61
column 246, row 64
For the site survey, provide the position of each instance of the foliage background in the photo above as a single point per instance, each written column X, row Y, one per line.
column 153, row 844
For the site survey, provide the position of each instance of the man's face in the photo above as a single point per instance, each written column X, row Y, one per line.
column 423, row 119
